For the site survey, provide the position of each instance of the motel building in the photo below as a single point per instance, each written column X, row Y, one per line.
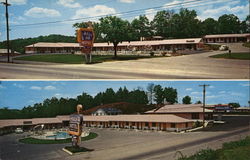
column 187, row 111
column 124, row 47
column 140, row 122
column 158, row 46
column 176, row 117
column 227, row 38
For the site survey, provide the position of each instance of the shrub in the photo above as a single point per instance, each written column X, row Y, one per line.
column 152, row 54
column 247, row 44
column 213, row 46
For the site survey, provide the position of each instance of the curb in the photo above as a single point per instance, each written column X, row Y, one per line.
column 67, row 151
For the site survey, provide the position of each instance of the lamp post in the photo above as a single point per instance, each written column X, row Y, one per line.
column 204, row 102
column 7, row 27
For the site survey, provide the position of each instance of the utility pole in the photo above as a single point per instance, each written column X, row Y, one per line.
column 204, row 102
column 7, row 27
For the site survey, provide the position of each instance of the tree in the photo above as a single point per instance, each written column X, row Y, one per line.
column 185, row 24
column 234, row 104
column 161, row 23
column 186, row 100
column 228, row 24
column 198, row 102
column 109, row 96
column 209, row 26
column 86, row 100
column 141, row 27
column 122, row 95
column 170, row 94
column 245, row 25
column 115, row 30
column 138, row 96
column 158, row 94
column 150, row 89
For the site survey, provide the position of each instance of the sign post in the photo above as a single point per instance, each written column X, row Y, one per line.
column 85, row 38
column 75, row 126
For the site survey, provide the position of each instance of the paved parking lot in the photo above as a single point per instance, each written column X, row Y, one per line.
column 130, row 144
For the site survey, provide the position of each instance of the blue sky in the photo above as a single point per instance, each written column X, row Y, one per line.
column 36, row 11
column 17, row 94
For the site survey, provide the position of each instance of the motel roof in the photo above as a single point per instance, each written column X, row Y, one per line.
column 55, row 45
column 179, row 108
column 227, row 35
column 118, row 118
column 34, row 121
column 139, row 118
column 131, row 43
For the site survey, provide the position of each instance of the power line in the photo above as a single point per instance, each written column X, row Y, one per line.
column 68, row 20
column 127, row 15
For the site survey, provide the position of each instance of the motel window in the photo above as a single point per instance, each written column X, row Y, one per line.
column 173, row 125
column 195, row 116
column 186, row 124
column 133, row 123
column 146, row 124
column 115, row 123
column 127, row 123
column 153, row 124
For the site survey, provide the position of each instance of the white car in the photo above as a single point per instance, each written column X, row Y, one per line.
column 18, row 130
column 223, row 48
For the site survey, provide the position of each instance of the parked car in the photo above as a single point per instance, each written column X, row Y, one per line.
column 223, row 48
column 18, row 130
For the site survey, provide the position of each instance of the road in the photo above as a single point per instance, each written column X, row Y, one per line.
column 196, row 66
column 130, row 144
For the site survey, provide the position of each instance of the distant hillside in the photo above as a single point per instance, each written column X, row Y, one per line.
column 125, row 107
column 19, row 44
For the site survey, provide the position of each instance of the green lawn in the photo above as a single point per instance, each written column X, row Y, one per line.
column 242, row 56
column 30, row 140
column 77, row 59
column 238, row 150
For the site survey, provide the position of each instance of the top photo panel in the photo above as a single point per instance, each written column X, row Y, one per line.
column 124, row 39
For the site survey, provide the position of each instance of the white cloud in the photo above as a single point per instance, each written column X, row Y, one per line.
column 245, row 84
column 222, row 92
column 35, row 88
column 236, row 94
column 240, row 11
column 150, row 14
column 211, row 87
column 18, row 85
column 212, row 96
column 195, row 93
column 31, row 101
column 2, row 87
column 127, row 1
column 20, row 18
column 37, row 12
column 58, row 95
column 49, row 88
column 69, row 3
column 97, row 10
column 17, row 2
column 189, row 89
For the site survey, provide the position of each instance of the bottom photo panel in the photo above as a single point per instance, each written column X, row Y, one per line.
column 106, row 120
